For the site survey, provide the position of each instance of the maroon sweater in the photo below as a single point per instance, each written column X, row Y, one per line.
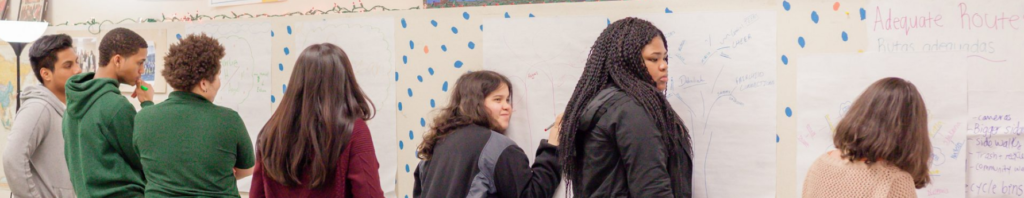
column 355, row 174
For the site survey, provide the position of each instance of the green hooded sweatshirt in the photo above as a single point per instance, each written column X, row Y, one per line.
column 98, row 127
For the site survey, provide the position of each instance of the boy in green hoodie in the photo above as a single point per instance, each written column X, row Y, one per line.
column 99, row 121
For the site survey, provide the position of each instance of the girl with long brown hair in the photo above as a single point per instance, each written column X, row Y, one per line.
column 317, row 143
column 882, row 146
column 466, row 154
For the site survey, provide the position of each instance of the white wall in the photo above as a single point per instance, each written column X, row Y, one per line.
column 60, row 11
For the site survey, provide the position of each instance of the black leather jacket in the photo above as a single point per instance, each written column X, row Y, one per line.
column 623, row 155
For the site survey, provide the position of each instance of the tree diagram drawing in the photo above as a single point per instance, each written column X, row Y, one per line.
column 245, row 72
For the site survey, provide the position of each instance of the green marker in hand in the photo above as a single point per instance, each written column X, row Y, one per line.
column 144, row 88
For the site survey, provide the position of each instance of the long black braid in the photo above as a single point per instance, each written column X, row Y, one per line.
column 616, row 60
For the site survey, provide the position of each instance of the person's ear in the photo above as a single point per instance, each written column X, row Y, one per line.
column 47, row 74
column 204, row 86
column 116, row 60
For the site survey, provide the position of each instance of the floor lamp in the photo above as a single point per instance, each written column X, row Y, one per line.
column 19, row 34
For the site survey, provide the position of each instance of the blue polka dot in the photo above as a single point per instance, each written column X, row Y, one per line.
column 531, row 15
column 789, row 112
column 410, row 135
column 284, row 88
column 399, row 106
column 405, row 59
column 401, row 145
column 412, row 45
column 271, row 33
column 472, row 45
column 785, row 5
column 432, row 103
column 410, row 92
column 407, row 168
column 777, row 138
column 403, row 23
column 396, row 76
column 667, row 11
column 419, row 77
column 801, row 42
column 179, row 35
column 444, row 48
column 289, row 29
column 280, row 66
column 814, row 17
column 430, row 70
column 458, row 64
column 481, row 27
column 286, row 52
column 465, row 15
column 455, row 30
column 863, row 14
column 785, row 60
column 423, row 122
column 506, row 16
column 433, row 23
column 444, row 87
column 273, row 99
column 845, row 36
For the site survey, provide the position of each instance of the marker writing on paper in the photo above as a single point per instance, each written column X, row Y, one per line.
column 549, row 127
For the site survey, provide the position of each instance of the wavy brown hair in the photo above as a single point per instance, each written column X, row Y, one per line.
column 888, row 122
column 307, row 133
column 466, row 107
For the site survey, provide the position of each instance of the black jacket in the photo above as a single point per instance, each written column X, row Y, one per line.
column 474, row 161
column 623, row 155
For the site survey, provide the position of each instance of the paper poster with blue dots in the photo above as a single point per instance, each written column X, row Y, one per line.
column 370, row 44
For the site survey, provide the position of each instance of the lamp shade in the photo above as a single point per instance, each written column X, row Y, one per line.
column 21, row 31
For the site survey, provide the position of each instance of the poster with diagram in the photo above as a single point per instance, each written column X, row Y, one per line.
column 244, row 74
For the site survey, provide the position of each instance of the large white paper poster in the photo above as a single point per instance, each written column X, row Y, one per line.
column 544, row 58
column 244, row 73
column 722, row 68
column 827, row 86
column 369, row 44
column 995, row 160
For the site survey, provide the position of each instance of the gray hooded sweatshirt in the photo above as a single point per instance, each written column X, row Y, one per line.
column 34, row 159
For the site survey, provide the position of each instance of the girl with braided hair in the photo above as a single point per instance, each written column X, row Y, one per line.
column 620, row 136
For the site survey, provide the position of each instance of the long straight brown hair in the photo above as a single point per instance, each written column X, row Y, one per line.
column 466, row 107
column 310, row 128
column 888, row 122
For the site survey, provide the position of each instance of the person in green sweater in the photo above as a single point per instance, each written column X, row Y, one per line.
column 98, row 122
column 191, row 147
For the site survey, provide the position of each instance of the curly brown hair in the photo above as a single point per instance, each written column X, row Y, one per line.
column 465, row 108
column 120, row 41
column 195, row 58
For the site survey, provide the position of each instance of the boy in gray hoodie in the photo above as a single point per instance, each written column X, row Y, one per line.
column 34, row 158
